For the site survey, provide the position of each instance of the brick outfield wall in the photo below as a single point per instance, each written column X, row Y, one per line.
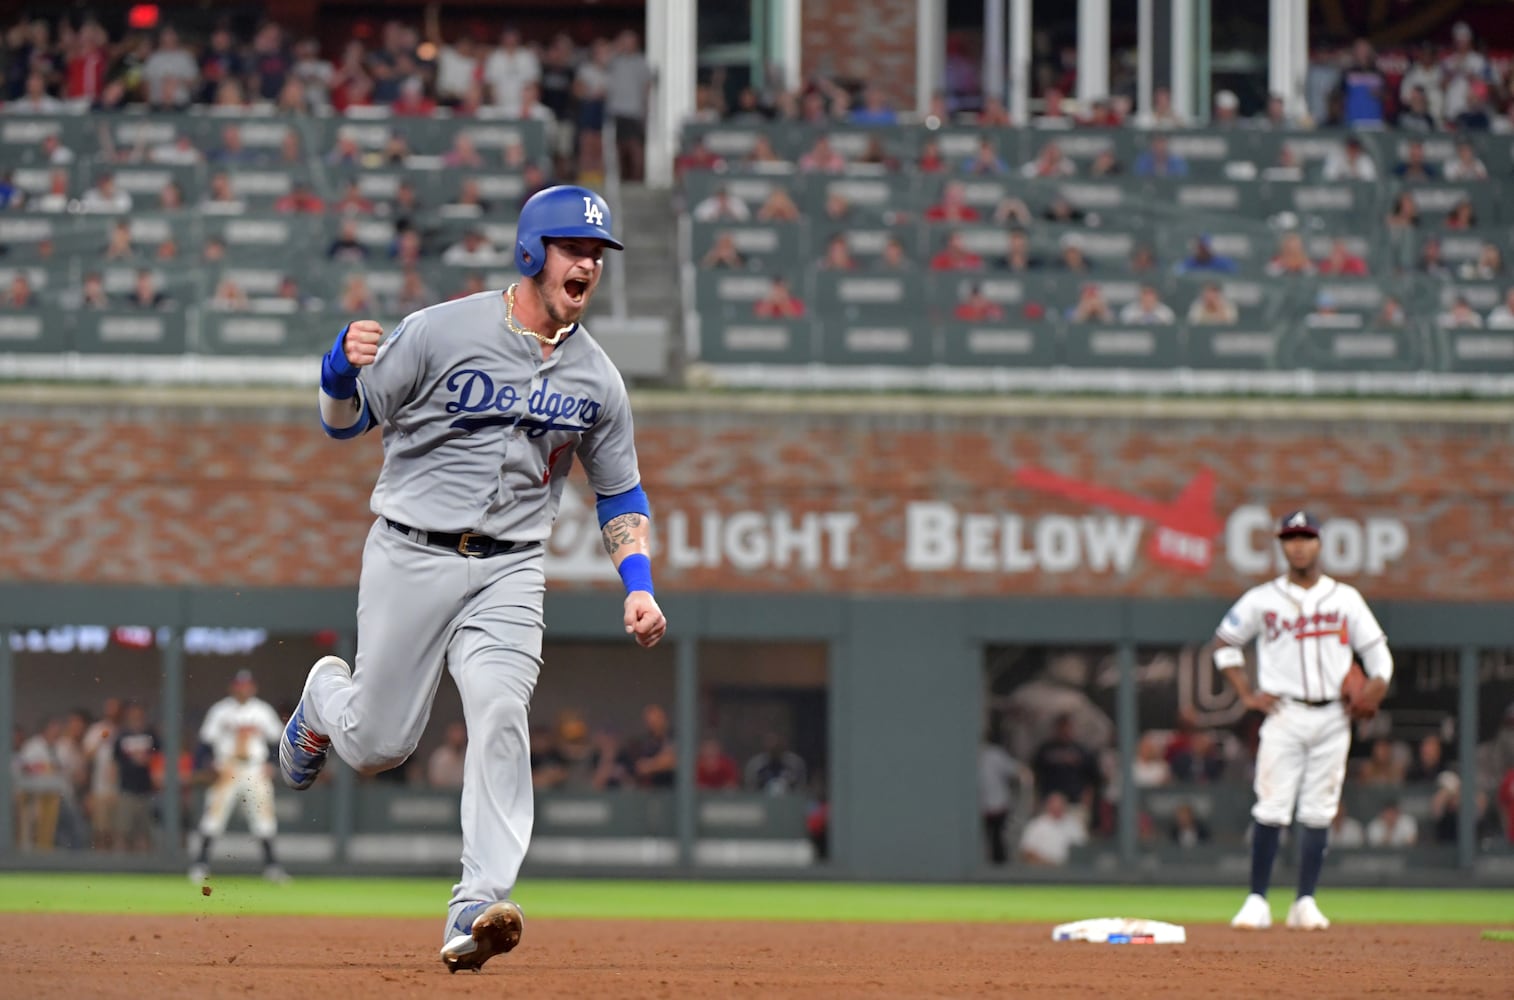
column 937, row 506
column 871, row 40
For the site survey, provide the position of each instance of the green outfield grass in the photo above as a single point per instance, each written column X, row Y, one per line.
column 88, row 893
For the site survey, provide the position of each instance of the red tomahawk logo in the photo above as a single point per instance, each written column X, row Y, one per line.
column 1185, row 528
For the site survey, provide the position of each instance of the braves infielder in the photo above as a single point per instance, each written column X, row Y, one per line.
column 482, row 404
column 1306, row 627
column 239, row 729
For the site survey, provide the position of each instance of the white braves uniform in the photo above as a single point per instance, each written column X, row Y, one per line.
column 239, row 733
column 1304, row 640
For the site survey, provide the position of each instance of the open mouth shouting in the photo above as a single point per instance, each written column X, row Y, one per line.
column 576, row 289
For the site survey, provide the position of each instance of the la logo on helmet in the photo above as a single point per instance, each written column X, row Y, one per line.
column 592, row 214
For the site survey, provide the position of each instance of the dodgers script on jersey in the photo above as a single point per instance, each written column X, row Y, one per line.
column 239, row 732
column 479, row 432
column 1304, row 638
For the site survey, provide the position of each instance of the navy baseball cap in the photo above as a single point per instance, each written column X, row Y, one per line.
column 1298, row 522
column 242, row 677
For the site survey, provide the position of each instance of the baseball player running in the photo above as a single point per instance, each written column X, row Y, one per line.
column 482, row 403
column 1306, row 627
column 239, row 729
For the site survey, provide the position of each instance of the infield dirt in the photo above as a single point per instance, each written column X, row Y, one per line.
column 59, row 956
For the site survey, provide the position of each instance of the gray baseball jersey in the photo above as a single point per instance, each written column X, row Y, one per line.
column 479, row 433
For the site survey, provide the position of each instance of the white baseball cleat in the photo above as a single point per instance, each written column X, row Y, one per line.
column 1304, row 915
column 480, row 932
column 1255, row 914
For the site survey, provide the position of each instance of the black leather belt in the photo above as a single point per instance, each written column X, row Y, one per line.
column 1314, row 704
column 469, row 543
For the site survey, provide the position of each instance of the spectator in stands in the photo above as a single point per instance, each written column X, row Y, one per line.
column 1150, row 769
column 347, row 248
column 1461, row 316
column 145, row 293
column 1197, row 759
column 1430, row 260
column 986, row 161
column 1418, row 115
column 1227, row 109
column 626, row 103
column 356, row 296
column 118, row 245
column 509, row 68
column 1049, row 163
column 1346, row 832
column 1327, row 314
column 697, row 156
column 875, row 155
column 998, row 774
column 955, row 256
column 463, row 154
column 722, row 206
column 413, row 101
column 838, row 255
column 591, row 85
column 346, row 152
column 170, row 73
column 221, row 199
column 1392, row 828
column 1062, row 765
column 300, row 200
column 1106, row 164
column 214, row 251
column 1211, row 307
column 778, row 207
column 473, row 250
column 473, row 284
column 1462, row 216
column 1072, row 259
column 978, row 308
column 444, row 768
column 1204, row 259
column 1290, row 260
column 171, row 198
column 352, row 201
column 1465, row 166
column 1362, row 87
column 953, row 206
column 133, row 751
column 1158, row 160
column 1148, row 310
column 874, row 109
column 35, row 100
column 1429, row 760
column 1475, row 117
column 1382, row 766
column 1062, row 211
column 11, row 196
column 219, row 62
column 1018, row 257
column 775, row 770
column 1502, row 316
column 313, row 74
column 893, row 257
column 1143, row 261
column 822, row 157
column 350, row 84
column 270, row 61
column 779, row 302
column 654, row 755
column 1187, row 830
column 1423, row 75
column 1350, row 163
column 229, row 297
column 714, row 770
column 1162, row 115
column 405, row 206
column 1390, row 314
column 395, row 152
column 930, row 161
column 19, row 294
column 92, row 292
column 469, row 202
column 1461, row 70
column 414, row 295
column 1414, row 168
column 1486, row 266
column 1341, row 262
column 54, row 153
column 1273, row 116
column 105, row 197
column 232, row 151
column 407, row 248
column 291, row 151
column 1048, row 839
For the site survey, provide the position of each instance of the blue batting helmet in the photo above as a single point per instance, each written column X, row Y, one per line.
column 564, row 211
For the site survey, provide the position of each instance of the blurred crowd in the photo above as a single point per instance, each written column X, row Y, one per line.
column 1039, row 812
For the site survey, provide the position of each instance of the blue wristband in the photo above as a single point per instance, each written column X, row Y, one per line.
column 636, row 573
column 338, row 376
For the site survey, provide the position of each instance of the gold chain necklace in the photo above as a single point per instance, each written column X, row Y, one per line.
column 515, row 327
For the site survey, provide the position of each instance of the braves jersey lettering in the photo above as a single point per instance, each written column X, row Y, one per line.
column 472, row 424
column 1304, row 638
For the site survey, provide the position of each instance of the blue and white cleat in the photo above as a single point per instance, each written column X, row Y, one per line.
column 480, row 932
column 302, row 750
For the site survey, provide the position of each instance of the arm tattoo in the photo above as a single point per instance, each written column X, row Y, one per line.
column 617, row 531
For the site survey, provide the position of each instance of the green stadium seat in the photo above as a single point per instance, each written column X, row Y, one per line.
column 1121, row 346
column 1369, row 349
column 43, row 330
column 1006, row 343
column 267, row 334
column 866, row 298
column 120, row 331
column 776, row 247
column 1249, row 347
column 749, row 340
column 890, row 341
column 1479, row 350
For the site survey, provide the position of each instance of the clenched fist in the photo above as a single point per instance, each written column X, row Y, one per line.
column 644, row 619
column 361, row 343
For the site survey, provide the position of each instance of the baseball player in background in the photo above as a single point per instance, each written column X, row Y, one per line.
column 482, row 403
column 239, row 729
column 1307, row 627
